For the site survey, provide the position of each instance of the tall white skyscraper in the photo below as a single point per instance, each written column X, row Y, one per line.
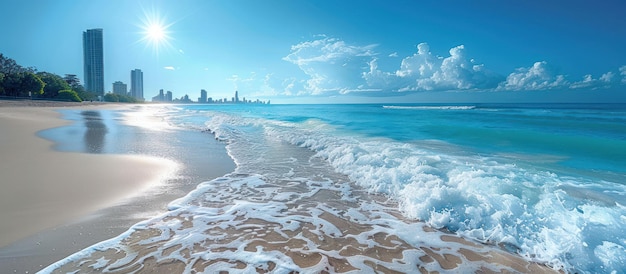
column 136, row 84
column 93, row 61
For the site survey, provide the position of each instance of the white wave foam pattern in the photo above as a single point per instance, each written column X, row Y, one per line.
column 431, row 107
column 545, row 217
column 245, row 224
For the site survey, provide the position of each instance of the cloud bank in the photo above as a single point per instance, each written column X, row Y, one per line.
column 333, row 66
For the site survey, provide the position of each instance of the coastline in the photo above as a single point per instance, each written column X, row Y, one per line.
column 128, row 228
column 60, row 202
column 283, row 216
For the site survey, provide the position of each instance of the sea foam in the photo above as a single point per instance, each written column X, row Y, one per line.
column 534, row 212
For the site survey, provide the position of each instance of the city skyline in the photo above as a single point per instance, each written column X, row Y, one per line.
column 353, row 51
column 163, row 97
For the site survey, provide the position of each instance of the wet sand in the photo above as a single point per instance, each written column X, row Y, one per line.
column 56, row 203
column 229, row 234
column 42, row 188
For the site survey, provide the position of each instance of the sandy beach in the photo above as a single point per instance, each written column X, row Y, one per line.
column 55, row 203
column 43, row 188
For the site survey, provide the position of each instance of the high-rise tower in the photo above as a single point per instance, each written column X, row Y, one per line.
column 93, row 61
column 136, row 84
column 202, row 98
column 119, row 88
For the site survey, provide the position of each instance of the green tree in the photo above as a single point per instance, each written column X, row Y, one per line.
column 23, row 84
column 17, row 80
column 68, row 95
column 127, row 99
column 54, row 84
column 111, row 97
column 72, row 80
column 9, row 66
column 85, row 95
column 31, row 85
column 1, row 83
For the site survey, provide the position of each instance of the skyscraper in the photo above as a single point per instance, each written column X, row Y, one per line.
column 236, row 100
column 93, row 61
column 202, row 98
column 119, row 88
column 136, row 84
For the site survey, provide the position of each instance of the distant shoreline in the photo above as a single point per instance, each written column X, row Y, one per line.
column 21, row 102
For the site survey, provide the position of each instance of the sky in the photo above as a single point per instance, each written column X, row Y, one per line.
column 326, row 51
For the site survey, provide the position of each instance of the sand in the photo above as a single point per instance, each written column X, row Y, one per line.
column 54, row 204
column 42, row 188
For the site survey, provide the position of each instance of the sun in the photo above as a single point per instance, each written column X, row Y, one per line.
column 155, row 33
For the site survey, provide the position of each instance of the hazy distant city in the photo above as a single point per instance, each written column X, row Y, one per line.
column 166, row 97
column 93, row 53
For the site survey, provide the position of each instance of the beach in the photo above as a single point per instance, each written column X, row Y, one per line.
column 255, row 189
column 282, row 209
column 55, row 203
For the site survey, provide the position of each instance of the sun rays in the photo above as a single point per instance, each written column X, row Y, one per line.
column 155, row 31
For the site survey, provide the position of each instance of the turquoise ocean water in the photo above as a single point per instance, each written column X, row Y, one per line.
column 547, row 181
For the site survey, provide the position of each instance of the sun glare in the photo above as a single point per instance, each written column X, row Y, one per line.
column 155, row 32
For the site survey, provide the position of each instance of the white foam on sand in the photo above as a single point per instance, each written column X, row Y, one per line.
column 538, row 214
column 235, row 223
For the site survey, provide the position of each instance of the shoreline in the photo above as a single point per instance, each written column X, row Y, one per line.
column 55, row 207
column 142, row 234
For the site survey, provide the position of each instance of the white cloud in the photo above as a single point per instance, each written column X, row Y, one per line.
column 247, row 83
column 589, row 82
column 607, row 77
column 169, row 68
column 425, row 71
column 377, row 78
column 538, row 77
column 334, row 66
column 273, row 86
column 331, row 64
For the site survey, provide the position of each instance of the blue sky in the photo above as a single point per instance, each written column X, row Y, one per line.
column 338, row 51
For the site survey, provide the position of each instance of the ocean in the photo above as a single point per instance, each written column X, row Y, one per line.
column 316, row 186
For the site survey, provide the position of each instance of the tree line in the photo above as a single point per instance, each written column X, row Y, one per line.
column 20, row 82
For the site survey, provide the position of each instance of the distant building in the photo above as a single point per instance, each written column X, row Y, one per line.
column 160, row 97
column 120, row 88
column 202, row 99
column 185, row 100
column 236, row 99
column 136, row 84
column 164, row 97
column 93, row 61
